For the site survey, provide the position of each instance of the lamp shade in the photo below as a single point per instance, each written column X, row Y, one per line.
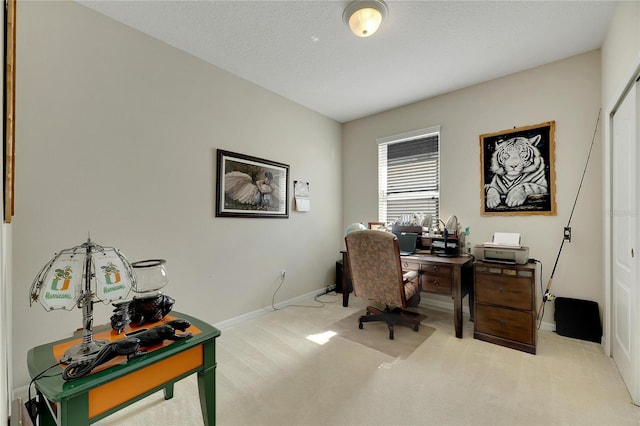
column 452, row 224
column 76, row 277
column 60, row 285
column 364, row 16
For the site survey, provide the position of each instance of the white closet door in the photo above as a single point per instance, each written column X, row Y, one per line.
column 625, row 294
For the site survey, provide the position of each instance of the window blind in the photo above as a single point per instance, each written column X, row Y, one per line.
column 409, row 177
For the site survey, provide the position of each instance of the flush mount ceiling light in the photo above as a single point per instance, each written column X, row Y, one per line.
column 364, row 16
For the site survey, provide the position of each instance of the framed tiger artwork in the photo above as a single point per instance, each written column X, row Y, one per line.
column 518, row 172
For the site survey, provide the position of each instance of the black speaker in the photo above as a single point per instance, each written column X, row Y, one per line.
column 577, row 318
column 339, row 272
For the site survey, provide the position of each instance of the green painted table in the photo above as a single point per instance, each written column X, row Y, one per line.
column 121, row 382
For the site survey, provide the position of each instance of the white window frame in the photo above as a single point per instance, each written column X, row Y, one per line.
column 383, row 197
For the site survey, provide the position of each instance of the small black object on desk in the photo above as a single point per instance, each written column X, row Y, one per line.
column 445, row 234
column 160, row 333
column 128, row 346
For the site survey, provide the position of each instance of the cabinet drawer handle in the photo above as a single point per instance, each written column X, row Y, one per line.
column 436, row 269
column 436, row 283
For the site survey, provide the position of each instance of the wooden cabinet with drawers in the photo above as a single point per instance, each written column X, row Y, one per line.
column 505, row 307
column 434, row 278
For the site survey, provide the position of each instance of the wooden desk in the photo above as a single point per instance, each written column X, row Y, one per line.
column 121, row 382
column 451, row 276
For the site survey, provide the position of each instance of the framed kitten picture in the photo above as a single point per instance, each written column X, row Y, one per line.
column 517, row 171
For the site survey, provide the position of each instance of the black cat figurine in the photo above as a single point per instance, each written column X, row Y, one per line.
column 162, row 332
column 139, row 311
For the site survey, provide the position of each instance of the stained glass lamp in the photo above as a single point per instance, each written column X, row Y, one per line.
column 77, row 277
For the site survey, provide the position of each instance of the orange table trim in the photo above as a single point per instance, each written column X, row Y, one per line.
column 112, row 394
column 111, row 336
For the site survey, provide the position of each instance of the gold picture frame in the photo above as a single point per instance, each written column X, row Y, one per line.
column 9, row 108
column 517, row 169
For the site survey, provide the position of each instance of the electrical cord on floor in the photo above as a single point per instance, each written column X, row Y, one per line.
column 332, row 293
column 321, row 302
column 315, row 298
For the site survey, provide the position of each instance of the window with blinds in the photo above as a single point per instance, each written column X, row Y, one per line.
column 409, row 175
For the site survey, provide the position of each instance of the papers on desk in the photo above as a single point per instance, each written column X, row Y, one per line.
column 440, row 244
column 504, row 239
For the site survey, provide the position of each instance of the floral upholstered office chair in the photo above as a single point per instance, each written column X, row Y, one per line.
column 376, row 274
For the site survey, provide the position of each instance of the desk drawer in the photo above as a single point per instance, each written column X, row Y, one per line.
column 512, row 292
column 433, row 283
column 505, row 323
column 409, row 266
column 436, row 269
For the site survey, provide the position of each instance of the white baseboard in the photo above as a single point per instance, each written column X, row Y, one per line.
column 232, row 322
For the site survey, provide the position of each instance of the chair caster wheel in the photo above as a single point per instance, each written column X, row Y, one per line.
column 360, row 326
column 415, row 328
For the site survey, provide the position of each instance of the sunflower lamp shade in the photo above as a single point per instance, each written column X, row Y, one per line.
column 78, row 276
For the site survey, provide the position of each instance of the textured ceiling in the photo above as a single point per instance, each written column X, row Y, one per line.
column 303, row 51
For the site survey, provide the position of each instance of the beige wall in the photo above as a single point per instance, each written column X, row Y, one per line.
column 117, row 137
column 568, row 92
column 620, row 50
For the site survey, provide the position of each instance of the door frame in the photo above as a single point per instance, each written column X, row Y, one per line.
column 609, row 112
column 606, row 202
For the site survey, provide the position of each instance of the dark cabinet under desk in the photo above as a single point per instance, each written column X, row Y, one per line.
column 505, row 308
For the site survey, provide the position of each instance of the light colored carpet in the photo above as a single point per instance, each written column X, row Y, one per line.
column 270, row 372
column 376, row 335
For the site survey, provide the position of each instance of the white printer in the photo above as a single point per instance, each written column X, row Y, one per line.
column 505, row 247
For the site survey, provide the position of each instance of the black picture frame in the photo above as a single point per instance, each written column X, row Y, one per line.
column 536, row 183
column 249, row 186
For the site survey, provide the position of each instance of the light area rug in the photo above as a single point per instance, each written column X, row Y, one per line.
column 376, row 335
